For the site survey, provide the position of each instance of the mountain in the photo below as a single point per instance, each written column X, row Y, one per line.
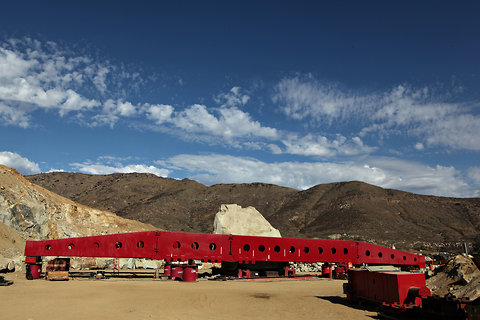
column 344, row 210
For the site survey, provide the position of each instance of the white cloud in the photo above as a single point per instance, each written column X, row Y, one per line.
column 315, row 145
column 406, row 110
column 99, row 168
column 19, row 163
column 198, row 122
column 13, row 116
column 32, row 79
column 13, row 66
column 419, row 146
column 384, row 172
column 41, row 75
column 307, row 98
column 112, row 111
column 159, row 113
column 474, row 175
column 99, row 79
column 233, row 98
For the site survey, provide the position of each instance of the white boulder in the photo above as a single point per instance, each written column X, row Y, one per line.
column 233, row 219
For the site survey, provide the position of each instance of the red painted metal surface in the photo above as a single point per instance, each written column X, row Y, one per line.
column 181, row 246
column 167, row 270
column 190, row 273
column 176, row 273
column 35, row 270
column 394, row 288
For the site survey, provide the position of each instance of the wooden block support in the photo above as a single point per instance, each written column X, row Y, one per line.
column 57, row 275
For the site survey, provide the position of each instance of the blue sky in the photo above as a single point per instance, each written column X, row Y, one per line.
column 291, row 93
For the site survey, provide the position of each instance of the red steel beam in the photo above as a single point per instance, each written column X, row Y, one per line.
column 182, row 246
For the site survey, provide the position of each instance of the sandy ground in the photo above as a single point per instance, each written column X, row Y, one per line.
column 84, row 298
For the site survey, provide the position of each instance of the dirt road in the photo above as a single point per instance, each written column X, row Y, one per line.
column 160, row 299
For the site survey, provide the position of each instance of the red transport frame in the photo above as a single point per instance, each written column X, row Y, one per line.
column 182, row 246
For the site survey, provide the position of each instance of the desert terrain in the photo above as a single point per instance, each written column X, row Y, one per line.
column 344, row 210
column 162, row 299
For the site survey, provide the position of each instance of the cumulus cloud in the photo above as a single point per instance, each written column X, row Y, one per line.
column 384, row 172
column 159, row 113
column 420, row 112
column 19, row 163
column 228, row 125
column 101, row 168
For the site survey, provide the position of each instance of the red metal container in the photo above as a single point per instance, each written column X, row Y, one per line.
column 35, row 270
column 177, row 273
column 402, row 288
column 167, row 270
column 190, row 274
column 326, row 271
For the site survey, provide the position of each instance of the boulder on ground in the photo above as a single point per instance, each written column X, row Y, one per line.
column 6, row 265
column 460, row 277
column 233, row 219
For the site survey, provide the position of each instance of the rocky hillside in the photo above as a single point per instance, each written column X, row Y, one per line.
column 347, row 210
column 41, row 214
column 169, row 204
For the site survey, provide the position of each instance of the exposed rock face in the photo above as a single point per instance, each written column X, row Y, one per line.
column 233, row 219
column 41, row 214
column 460, row 277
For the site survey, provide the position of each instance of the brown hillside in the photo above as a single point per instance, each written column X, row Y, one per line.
column 350, row 210
column 176, row 205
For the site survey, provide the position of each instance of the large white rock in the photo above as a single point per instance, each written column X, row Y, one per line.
column 233, row 219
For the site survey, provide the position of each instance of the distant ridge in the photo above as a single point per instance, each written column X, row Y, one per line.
column 344, row 210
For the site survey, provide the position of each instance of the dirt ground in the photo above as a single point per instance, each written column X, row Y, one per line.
column 84, row 298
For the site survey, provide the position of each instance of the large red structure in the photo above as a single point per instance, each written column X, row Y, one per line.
column 182, row 246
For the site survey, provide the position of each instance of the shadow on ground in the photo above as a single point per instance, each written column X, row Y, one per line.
column 343, row 301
